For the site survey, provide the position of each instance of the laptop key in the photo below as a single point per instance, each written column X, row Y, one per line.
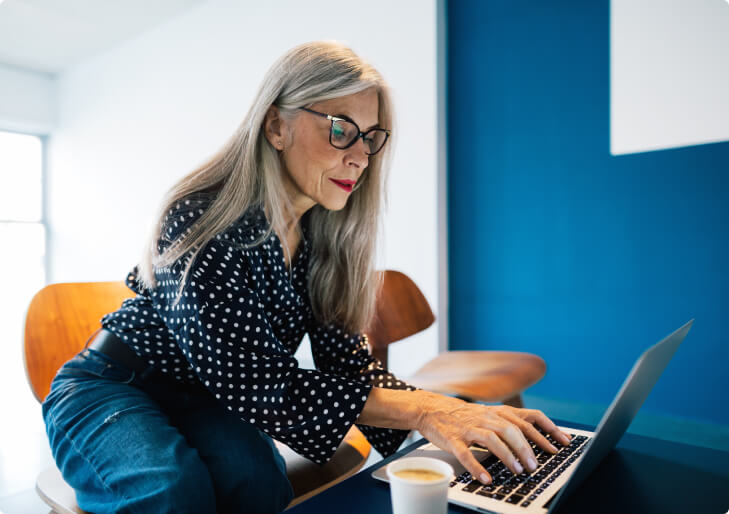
column 526, row 503
column 471, row 487
column 490, row 460
column 514, row 498
column 498, row 496
column 485, row 493
column 494, row 470
column 500, row 479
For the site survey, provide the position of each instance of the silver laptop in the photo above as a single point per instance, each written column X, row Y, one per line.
column 556, row 475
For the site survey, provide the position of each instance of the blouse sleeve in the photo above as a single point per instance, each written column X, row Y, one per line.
column 337, row 351
column 220, row 323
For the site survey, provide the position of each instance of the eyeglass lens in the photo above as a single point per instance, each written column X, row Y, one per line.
column 343, row 133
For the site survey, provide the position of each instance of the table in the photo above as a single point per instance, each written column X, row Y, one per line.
column 642, row 475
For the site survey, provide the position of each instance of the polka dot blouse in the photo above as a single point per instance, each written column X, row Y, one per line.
column 239, row 320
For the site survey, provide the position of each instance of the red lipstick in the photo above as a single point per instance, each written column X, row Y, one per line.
column 347, row 185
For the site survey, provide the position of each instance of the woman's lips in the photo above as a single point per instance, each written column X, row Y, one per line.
column 347, row 185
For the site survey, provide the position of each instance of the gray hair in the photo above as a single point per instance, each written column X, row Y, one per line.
column 247, row 172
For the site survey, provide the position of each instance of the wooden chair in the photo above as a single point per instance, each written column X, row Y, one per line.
column 60, row 319
column 488, row 376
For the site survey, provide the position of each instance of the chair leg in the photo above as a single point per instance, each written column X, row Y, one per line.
column 515, row 401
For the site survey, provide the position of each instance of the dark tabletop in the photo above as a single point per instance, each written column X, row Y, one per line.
column 642, row 475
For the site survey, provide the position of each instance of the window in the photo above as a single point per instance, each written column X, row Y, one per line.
column 22, row 258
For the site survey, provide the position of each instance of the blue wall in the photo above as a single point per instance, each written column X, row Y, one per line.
column 555, row 246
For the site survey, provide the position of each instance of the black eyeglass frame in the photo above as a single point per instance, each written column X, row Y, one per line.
column 359, row 135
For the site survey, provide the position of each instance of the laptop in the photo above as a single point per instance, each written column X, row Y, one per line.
column 557, row 475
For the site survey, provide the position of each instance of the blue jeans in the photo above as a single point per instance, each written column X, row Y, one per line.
column 143, row 443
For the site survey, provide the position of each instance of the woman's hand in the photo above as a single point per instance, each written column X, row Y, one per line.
column 453, row 425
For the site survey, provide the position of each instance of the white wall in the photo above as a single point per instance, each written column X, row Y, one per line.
column 669, row 74
column 136, row 118
column 27, row 102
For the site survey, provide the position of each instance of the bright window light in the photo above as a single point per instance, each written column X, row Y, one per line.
column 20, row 177
column 22, row 260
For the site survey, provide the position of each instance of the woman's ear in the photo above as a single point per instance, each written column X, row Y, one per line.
column 273, row 128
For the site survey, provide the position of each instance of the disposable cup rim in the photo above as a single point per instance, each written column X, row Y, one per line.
column 447, row 478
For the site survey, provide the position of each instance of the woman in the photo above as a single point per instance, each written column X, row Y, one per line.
column 173, row 405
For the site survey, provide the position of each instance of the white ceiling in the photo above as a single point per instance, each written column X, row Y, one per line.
column 51, row 35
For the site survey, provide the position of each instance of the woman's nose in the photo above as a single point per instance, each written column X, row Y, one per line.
column 357, row 155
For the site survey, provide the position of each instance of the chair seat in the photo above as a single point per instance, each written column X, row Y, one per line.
column 306, row 477
column 487, row 376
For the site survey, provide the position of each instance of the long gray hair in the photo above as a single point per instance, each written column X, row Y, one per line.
column 247, row 172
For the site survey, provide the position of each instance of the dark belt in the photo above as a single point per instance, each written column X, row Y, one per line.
column 112, row 346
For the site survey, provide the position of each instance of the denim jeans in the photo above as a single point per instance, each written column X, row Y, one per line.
column 143, row 443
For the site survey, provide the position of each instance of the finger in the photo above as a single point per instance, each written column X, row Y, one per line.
column 538, row 417
column 513, row 436
column 531, row 432
column 498, row 447
column 473, row 466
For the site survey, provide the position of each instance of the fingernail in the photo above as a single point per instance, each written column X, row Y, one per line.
column 518, row 468
column 532, row 464
column 553, row 447
column 485, row 479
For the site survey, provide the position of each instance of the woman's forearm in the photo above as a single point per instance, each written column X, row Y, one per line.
column 394, row 408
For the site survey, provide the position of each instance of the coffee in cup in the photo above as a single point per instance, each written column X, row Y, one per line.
column 423, row 475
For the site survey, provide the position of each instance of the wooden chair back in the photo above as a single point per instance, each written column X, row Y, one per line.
column 59, row 321
column 401, row 311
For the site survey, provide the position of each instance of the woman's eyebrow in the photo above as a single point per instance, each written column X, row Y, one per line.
column 344, row 116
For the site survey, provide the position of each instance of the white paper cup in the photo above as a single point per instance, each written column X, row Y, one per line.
column 416, row 496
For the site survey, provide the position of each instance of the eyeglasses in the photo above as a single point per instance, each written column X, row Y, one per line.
column 344, row 133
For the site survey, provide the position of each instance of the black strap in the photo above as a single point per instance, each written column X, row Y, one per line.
column 112, row 346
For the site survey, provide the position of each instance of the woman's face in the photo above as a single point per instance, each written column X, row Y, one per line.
column 314, row 171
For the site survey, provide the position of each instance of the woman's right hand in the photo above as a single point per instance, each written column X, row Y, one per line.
column 453, row 425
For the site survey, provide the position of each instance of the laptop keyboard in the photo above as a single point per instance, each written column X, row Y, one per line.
column 526, row 487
